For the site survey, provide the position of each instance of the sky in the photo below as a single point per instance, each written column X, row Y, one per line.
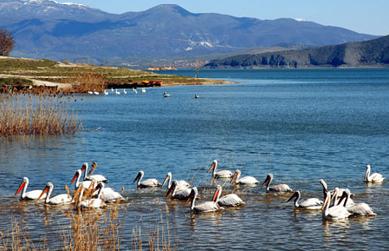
column 365, row 16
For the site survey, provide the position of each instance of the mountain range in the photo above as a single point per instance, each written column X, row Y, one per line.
column 75, row 32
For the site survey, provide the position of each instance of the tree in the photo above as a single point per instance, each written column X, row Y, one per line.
column 6, row 42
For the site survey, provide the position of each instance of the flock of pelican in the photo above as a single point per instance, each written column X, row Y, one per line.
column 91, row 191
column 117, row 91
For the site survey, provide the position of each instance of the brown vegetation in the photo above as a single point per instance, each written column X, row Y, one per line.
column 6, row 42
column 88, row 81
column 35, row 115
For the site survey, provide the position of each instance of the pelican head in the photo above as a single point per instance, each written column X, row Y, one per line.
column 76, row 175
column 235, row 177
column 213, row 166
column 93, row 168
column 268, row 180
column 48, row 188
column 139, row 176
column 84, row 167
column 168, row 177
column 172, row 188
column 22, row 185
column 295, row 195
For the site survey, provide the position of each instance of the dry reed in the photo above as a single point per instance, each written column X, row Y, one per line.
column 89, row 81
column 36, row 115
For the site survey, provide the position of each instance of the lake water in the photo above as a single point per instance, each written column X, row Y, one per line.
column 300, row 125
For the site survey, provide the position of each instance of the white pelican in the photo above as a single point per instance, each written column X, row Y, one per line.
column 179, row 193
column 94, row 202
column 280, row 188
column 112, row 90
column 124, row 91
column 143, row 90
column 374, row 177
column 204, row 207
column 88, row 174
column 169, row 179
column 117, row 92
column 228, row 200
column 134, row 90
column 76, row 178
column 109, row 195
column 106, row 92
column 358, row 209
column 246, row 180
column 61, row 199
column 337, row 212
column 96, row 93
column 31, row 195
column 145, row 183
column 90, row 92
column 337, row 194
column 219, row 174
column 311, row 203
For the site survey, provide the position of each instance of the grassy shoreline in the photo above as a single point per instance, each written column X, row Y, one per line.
column 41, row 75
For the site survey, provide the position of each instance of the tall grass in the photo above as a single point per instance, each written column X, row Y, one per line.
column 89, row 81
column 91, row 230
column 35, row 115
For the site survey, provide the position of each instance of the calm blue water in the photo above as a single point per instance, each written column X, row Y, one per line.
column 300, row 125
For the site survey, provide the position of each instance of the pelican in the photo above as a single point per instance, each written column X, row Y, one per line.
column 90, row 92
column 112, row 90
column 374, row 177
column 337, row 212
column 124, row 91
column 109, row 195
column 143, row 90
column 117, row 92
column 134, row 91
column 219, row 174
column 169, row 179
column 204, row 207
column 31, row 195
column 310, row 204
column 280, row 188
column 76, row 178
column 88, row 174
column 229, row 200
column 96, row 93
column 357, row 209
column 106, row 92
column 146, row 183
column 337, row 194
column 61, row 199
column 179, row 193
column 94, row 202
column 246, row 180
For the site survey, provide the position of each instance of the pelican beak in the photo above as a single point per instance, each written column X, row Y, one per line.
column 211, row 167
column 291, row 197
column 20, row 187
column 266, row 181
column 137, row 177
column 215, row 195
column 165, row 180
column 170, row 190
column 45, row 190
column 74, row 178
column 83, row 168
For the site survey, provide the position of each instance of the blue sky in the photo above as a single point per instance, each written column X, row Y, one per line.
column 366, row 16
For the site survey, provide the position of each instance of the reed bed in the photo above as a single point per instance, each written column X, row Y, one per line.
column 91, row 230
column 36, row 115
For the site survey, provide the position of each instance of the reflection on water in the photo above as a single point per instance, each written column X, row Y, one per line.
column 299, row 125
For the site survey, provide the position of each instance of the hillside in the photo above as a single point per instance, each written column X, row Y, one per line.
column 46, row 29
column 368, row 53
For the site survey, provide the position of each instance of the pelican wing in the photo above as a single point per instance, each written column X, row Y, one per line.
column 97, row 178
column 248, row 180
column 311, row 203
column 183, row 183
column 150, row 183
column 281, row 188
column 223, row 174
column 376, row 177
column 182, row 193
column 92, row 203
column 110, row 195
column 337, row 213
column 61, row 199
column 362, row 209
column 34, row 195
column 230, row 200
column 208, row 206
